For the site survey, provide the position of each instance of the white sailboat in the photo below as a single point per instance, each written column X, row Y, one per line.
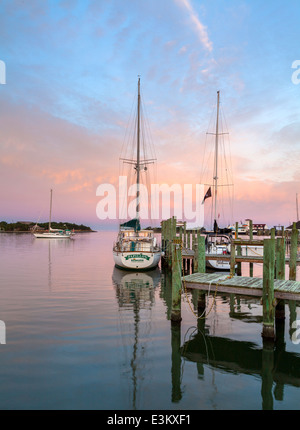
column 218, row 240
column 52, row 233
column 136, row 249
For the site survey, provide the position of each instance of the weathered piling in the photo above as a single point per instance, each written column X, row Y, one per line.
column 184, row 234
column 201, row 267
column 188, row 242
column 280, row 273
column 293, row 253
column 238, row 250
column 200, row 257
column 268, row 300
column 251, row 238
column 176, row 281
column 232, row 259
column 292, row 274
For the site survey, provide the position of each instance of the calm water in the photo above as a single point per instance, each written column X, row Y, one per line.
column 81, row 334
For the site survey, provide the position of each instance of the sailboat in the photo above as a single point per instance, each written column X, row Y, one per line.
column 52, row 233
column 136, row 249
column 218, row 241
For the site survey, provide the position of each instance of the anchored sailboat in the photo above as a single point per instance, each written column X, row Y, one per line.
column 218, row 240
column 136, row 249
column 52, row 233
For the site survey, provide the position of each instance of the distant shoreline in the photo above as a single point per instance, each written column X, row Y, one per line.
column 30, row 232
column 30, row 227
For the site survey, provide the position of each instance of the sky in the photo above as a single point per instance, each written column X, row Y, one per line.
column 68, row 81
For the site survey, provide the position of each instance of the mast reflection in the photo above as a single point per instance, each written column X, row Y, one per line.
column 135, row 292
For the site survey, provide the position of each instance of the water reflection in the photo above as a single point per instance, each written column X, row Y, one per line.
column 135, row 293
column 272, row 363
column 135, row 289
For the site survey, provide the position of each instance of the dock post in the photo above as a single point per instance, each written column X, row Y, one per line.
column 180, row 233
column 201, row 265
column 201, row 253
column 251, row 238
column 238, row 250
column 176, row 283
column 293, row 253
column 163, row 235
column 188, row 245
column 196, row 258
column 168, row 241
column 268, row 300
column 273, row 233
column 280, row 273
column 292, row 275
column 232, row 260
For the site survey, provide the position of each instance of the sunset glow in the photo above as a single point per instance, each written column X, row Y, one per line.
column 71, row 70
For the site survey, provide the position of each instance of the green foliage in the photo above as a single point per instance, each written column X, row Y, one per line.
column 20, row 226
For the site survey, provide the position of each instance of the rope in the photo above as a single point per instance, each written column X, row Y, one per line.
column 184, row 290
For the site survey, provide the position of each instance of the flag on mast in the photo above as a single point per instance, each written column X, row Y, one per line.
column 208, row 194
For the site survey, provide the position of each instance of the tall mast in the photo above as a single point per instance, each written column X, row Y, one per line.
column 138, row 155
column 216, row 154
column 50, row 209
column 297, row 206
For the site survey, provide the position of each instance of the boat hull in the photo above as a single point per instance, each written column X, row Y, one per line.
column 136, row 260
column 218, row 265
column 52, row 236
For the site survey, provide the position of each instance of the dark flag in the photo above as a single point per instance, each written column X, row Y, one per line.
column 208, row 194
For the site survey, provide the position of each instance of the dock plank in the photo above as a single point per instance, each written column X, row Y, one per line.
column 241, row 285
column 189, row 254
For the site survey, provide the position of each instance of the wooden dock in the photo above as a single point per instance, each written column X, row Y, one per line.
column 273, row 288
column 189, row 254
column 241, row 285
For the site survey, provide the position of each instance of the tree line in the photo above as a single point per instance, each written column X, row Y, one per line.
column 21, row 226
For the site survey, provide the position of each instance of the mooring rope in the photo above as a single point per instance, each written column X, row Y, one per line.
column 184, row 289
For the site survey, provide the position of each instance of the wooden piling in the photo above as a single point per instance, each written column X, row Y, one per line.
column 251, row 238
column 273, row 233
column 280, row 273
column 293, row 253
column 188, row 244
column 232, row 259
column 280, row 257
column 201, row 254
column 195, row 260
column 176, row 282
column 238, row 250
column 268, row 300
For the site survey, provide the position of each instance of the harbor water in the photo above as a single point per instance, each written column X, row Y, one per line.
column 81, row 334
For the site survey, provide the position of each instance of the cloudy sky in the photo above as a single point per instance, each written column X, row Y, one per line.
column 71, row 70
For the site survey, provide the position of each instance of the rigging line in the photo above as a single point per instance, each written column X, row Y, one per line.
column 148, row 130
column 206, row 139
column 129, row 121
